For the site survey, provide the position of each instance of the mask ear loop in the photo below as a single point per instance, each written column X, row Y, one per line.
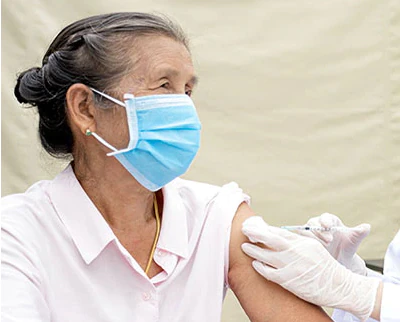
column 108, row 97
column 101, row 140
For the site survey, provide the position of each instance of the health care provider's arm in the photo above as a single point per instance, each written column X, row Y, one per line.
column 261, row 299
column 284, row 256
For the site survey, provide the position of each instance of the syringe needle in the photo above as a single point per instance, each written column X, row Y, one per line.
column 316, row 228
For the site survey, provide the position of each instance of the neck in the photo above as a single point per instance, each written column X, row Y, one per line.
column 123, row 202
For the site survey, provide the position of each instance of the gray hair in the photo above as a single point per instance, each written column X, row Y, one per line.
column 92, row 51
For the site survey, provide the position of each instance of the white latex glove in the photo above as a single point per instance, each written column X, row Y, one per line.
column 304, row 267
column 341, row 244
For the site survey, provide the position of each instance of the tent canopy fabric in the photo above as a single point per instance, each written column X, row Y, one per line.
column 299, row 102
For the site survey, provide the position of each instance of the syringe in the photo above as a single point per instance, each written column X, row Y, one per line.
column 317, row 228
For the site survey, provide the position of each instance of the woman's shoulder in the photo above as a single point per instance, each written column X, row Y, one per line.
column 34, row 193
column 23, row 212
column 190, row 186
column 203, row 187
column 211, row 201
column 205, row 192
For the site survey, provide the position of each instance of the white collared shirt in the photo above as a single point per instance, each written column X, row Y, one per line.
column 62, row 262
column 390, row 308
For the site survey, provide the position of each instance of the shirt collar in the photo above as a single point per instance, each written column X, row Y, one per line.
column 174, row 228
column 91, row 233
column 87, row 227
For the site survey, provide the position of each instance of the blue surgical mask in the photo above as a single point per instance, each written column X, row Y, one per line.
column 164, row 133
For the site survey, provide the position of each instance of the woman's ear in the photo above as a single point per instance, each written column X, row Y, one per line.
column 80, row 108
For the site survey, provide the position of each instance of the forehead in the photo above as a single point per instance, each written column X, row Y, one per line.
column 154, row 53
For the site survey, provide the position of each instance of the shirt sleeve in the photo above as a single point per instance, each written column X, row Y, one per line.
column 22, row 297
column 390, row 309
column 344, row 316
column 231, row 197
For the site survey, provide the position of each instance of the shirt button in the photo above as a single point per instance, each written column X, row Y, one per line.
column 146, row 296
column 161, row 253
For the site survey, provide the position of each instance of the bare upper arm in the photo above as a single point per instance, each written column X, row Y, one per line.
column 261, row 299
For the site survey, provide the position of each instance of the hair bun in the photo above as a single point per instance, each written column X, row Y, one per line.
column 30, row 88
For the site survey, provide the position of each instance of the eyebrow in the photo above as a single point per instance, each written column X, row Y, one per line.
column 169, row 72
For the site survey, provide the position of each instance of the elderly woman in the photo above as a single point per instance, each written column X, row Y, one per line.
column 117, row 236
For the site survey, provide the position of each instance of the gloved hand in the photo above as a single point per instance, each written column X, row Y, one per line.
column 341, row 244
column 304, row 267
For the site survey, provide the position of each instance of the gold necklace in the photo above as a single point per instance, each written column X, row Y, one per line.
column 153, row 249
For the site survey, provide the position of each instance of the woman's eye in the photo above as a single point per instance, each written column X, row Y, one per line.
column 165, row 85
column 189, row 92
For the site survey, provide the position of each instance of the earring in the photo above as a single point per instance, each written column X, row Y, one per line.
column 88, row 132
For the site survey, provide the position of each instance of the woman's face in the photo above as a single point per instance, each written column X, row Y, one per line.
column 161, row 66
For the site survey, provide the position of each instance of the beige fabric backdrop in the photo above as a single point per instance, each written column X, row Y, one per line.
column 299, row 102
